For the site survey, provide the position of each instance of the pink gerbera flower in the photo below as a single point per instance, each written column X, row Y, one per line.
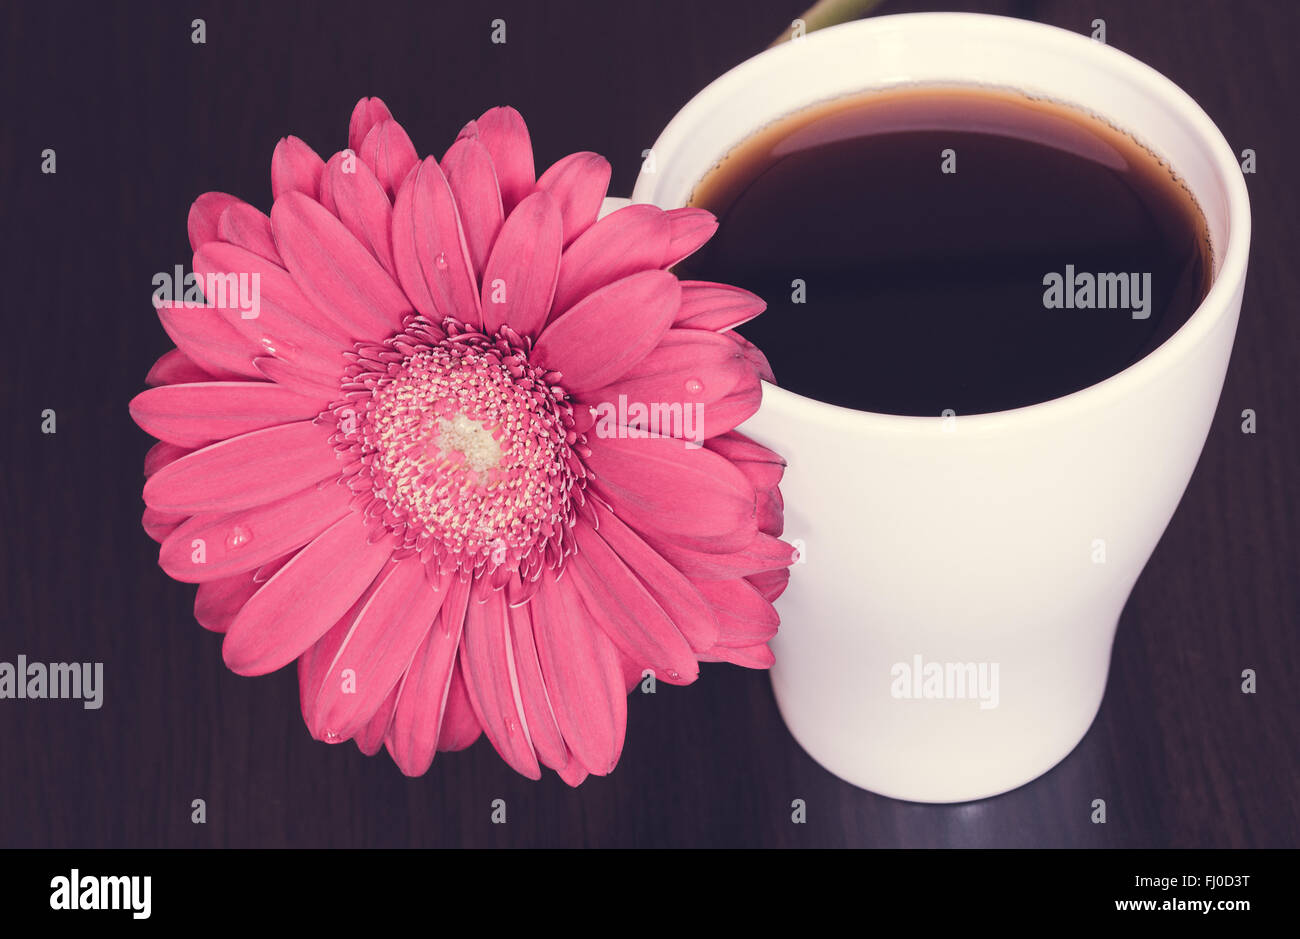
column 410, row 464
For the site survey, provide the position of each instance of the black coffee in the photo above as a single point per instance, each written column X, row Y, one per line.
column 953, row 248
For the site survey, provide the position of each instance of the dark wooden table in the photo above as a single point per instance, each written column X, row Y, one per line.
column 142, row 120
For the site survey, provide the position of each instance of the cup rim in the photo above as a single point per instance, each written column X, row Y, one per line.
column 1212, row 308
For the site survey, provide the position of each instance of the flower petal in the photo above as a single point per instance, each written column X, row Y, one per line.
column 388, row 151
column 572, row 772
column 620, row 605
column 245, row 471
column 305, row 598
column 460, row 727
column 633, row 674
column 662, row 486
column 370, row 739
column 717, row 307
column 578, row 183
column 624, row 242
column 763, row 467
column 250, row 229
column 688, row 370
column 738, row 406
column 764, row 553
column 376, row 648
column 295, row 167
column 243, row 541
column 218, row 601
column 280, row 320
column 504, row 133
column 198, row 413
column 610, row 331
column 583, row 675
column 365, row 210
column 271, row 568
column 207, row 339
column 468, row 168
column 414, row 733
column 758, row 656
column 327, row 179
column 162, row 453
column 771, row 511
column 313, row 665
column 429, row 248
column 334, row 271
column 367, row 113
column 688, row 230
column 159, row 525
column 205, row 216
column 519, row 279
column 309, row 382
column 491, row 677
column 755, row 356
column 543, row 730
column 406, row 255
column 770, row 584
column 174, row 367
column 684, row 603
column 744, row 617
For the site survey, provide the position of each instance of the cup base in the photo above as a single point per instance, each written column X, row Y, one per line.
column 930, row 790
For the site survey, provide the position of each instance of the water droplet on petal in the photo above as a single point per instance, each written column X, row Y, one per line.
column 268, row 345
column 694, row 386
column 331, row 736
column 239, row 536
column 441, row 261
column 672, row 674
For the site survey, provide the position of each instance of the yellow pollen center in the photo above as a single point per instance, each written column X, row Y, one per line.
column 472, row 439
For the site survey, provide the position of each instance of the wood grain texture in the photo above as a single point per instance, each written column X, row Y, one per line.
column 143, row 121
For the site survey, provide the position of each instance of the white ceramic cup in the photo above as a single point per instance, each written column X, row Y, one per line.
column 1009, row 539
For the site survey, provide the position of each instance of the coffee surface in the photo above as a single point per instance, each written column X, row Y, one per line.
column 934, row 248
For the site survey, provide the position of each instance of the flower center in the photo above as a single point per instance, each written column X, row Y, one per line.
column 461, row 447
column 470, row 439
